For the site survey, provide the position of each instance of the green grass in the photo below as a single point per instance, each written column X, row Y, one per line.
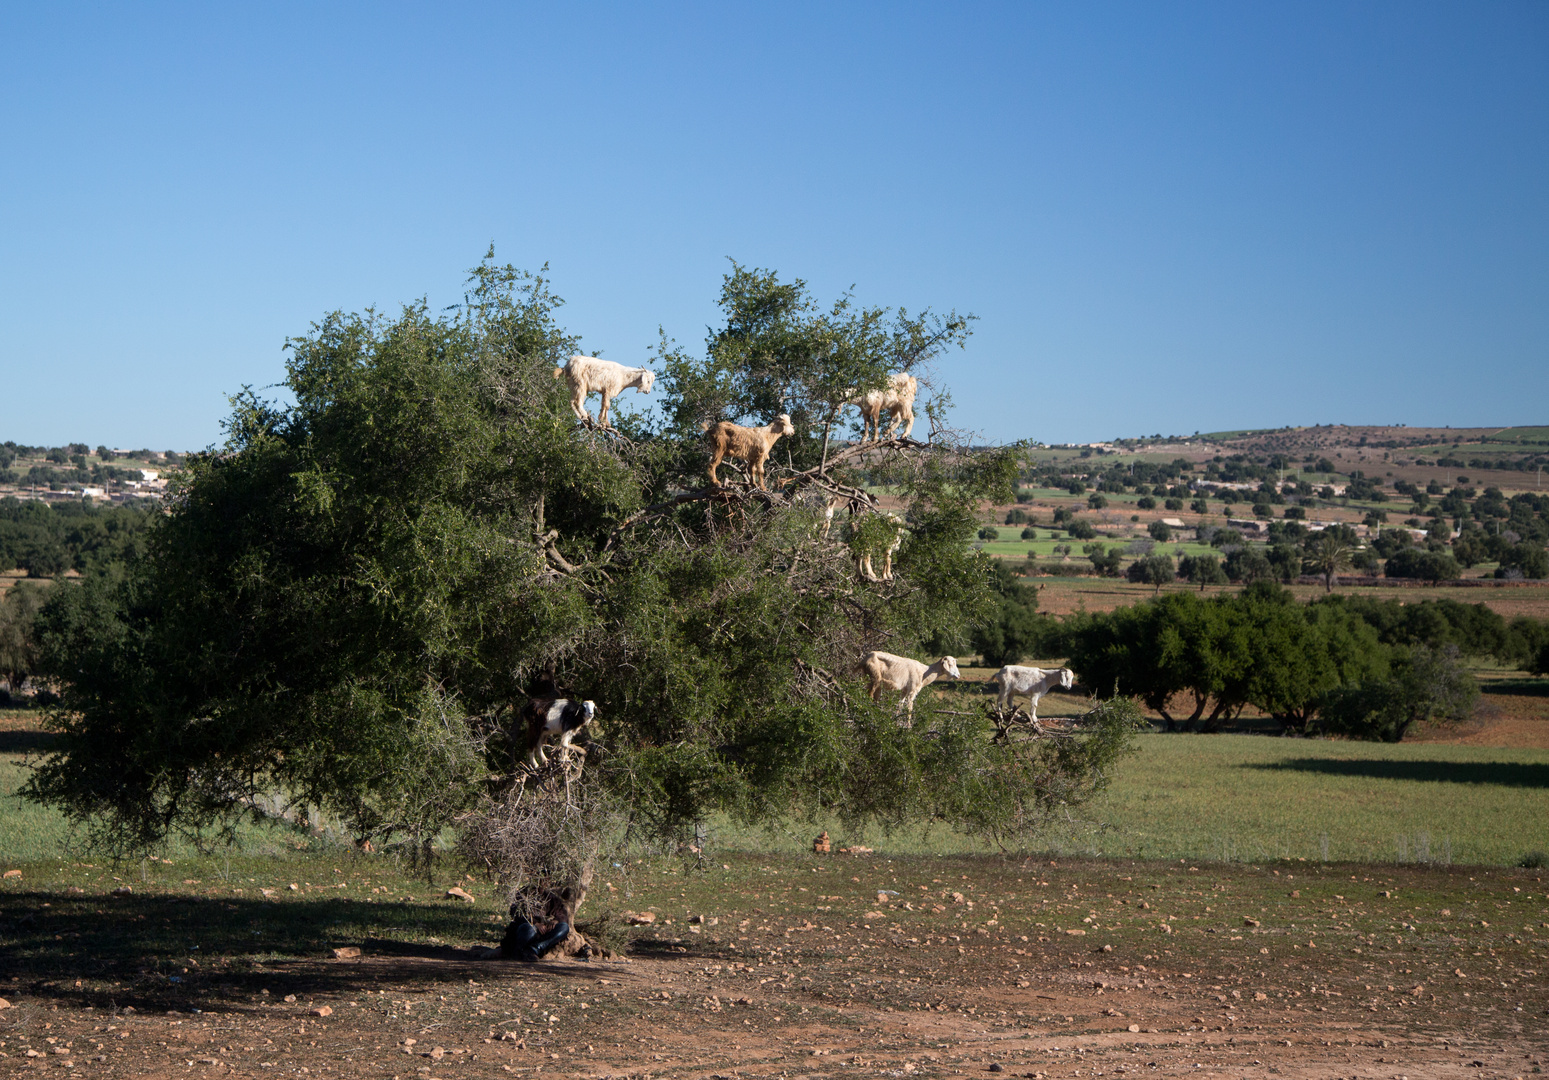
column 1522, row 435
column 1218, row 797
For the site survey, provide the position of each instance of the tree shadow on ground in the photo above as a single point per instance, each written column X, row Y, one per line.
column 193, row 953
column 1516, row 687
column 27, row 742
column 1498, row 773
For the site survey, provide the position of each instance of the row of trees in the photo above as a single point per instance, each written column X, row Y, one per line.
column 1313, row 668
column 350, row 602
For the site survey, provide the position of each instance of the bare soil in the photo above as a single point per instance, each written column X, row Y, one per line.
column 850, row 966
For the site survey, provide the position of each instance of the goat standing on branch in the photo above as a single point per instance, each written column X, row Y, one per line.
column 589, row 375
column 896, row 399
column 559, row 719
column 749, row 444
column 905, row 674
column 1031, row 683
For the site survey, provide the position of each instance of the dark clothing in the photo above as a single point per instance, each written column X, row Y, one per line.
column 524, row 941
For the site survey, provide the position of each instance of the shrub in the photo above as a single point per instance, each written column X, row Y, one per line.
column 1017, row 517
column 1029, row 533
column 1154, row 570
column 1199, row 506
column 1146, row 502
column 989, row 532
column 1173, row 503
column 1096, row 501
column 1414, row 562
column 1082, row 530
column 1105, row 560
column 1159, row 532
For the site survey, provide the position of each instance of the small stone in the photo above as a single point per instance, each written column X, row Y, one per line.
column 1250, row 922
column 640, row 918
column 996, row 1066
column 323, row 1010
column 410, row 1042
column 293, row 887
column 13, row 873
column 123, row 890
column 456, row 893
column 436, row 1053
column 346, row 952
column 696, row 920
column 1135, row 1029
column 290, row 997
column 1076, row 933
column 1107, row 948
column 4, row 1004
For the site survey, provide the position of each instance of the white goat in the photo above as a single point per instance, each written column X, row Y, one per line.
column 589, row 375
column 888, row 548
column 749, row 444
column 896, row 399
column 1031, row 683
column 905, row 674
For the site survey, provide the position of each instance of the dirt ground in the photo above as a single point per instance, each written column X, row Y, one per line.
column 839, row 966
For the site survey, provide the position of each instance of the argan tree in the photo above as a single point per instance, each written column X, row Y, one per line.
column 348, row 603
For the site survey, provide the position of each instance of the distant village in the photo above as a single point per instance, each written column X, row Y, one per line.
column 76, row 472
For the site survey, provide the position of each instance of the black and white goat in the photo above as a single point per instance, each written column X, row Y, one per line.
column 554, row 719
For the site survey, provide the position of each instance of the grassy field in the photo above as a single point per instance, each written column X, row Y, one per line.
column 1211, row 937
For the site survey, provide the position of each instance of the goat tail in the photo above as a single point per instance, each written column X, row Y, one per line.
column 559, row 372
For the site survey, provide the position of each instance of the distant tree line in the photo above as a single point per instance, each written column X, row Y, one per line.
column 1312, row 667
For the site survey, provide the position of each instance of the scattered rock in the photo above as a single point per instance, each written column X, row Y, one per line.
column 346, row 952
column 4, row 1004
column 323, row 1010
column 509, row 1036
column 436, row 1053
column 1107, row 948
column 293, row 887
column 855, row 849
column 1251, row 922
column 957, row 898
column 1135, row 1028
column 290, row 997
column 123, row 890
column 873, row 915
column 640, row 918
column 13, row 873
column 696, row 920
column 1260, row 996
column 1167, row 928
column 410, row 1042
column 1076, row 933
column 456, row 893
column 996, row 1066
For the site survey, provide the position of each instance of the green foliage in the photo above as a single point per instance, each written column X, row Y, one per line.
column 989, row 532
column 1413, row 562
column 1146, row 502
column 1257, row 648
column 1154, row 570
column 1524, row 560
column 1081, row 530
column 18, row 633
column 1105, row 560
column 347, row 605
column 1426, row 685
column 1029, row 533
column 1159, row 532
column 1201, row 570
column 1016, row 631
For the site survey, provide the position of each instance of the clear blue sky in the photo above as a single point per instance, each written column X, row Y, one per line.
column 1169, row 217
